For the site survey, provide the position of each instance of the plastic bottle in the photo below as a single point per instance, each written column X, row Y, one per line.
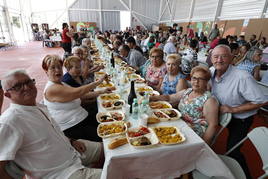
column 135, row 109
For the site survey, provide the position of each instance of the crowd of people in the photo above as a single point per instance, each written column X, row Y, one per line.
column 46, row 140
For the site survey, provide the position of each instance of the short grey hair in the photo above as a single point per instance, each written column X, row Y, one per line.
column 85, row 40
column 250, row 54
column 223, row 46
column 76, row 48
column 171, row 38
column 8, row 76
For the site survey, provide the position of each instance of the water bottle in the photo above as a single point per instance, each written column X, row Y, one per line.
column 143, row 107
column 135, row 109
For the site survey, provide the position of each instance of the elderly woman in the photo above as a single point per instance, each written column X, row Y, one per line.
column 241, row 55
column 198, row 108
column 251, row 62
column 64, row 104
column 157, row 69
column 174, row 81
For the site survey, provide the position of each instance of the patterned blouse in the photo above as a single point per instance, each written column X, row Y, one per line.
column 192, row 112
column 169, row 87
column 153, row 75
column 248, row 66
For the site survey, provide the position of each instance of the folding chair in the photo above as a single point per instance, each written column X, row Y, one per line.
column 259, row 138
column 224, row 120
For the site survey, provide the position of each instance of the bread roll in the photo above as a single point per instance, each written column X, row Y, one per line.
column 117, row 142
column 152, row 120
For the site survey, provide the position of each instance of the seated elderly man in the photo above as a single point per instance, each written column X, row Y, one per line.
column 170, row 47
column 133, row 57
column 34, row 141
column 238, row 93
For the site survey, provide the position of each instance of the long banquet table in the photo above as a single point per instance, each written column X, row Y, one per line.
column 163, row 161
column 160, row 161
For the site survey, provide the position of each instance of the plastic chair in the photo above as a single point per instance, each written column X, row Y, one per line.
column 263, row 87
column 233, row 166
column 259, row 138
column 224, row 120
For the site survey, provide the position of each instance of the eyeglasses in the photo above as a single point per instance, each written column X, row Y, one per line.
column 221, row 56
column 155, row 57
column 19, row 86
column 198, row 79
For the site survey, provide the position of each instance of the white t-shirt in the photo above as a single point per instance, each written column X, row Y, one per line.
column 66, row 114
column 35, row 143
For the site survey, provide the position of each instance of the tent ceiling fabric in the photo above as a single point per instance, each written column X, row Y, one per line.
column 149, row 12
column 204, row 10
column 237, row 9
column 86, row 4
column 112, row 5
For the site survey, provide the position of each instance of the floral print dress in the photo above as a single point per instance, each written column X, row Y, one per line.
column 192, row 112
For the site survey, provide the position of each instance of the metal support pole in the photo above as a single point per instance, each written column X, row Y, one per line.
column 100, row 7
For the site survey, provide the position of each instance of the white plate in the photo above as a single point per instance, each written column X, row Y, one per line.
column 144, row 89
column 156, row 106
column 176, row 132
column 109, row 96
column 105, row 85
column 112, row 103
column 110, row 115
column 151, row 136
column 171, row 109
column 108, row 129
column 136, row 129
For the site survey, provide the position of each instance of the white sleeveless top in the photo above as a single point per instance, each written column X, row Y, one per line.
column 66, row 114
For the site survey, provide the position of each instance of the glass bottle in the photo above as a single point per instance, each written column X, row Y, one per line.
column 132, row 95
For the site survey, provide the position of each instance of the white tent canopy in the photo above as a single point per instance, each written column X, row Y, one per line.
column 106, row 13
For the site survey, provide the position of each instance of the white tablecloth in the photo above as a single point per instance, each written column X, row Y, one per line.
column 163, row 161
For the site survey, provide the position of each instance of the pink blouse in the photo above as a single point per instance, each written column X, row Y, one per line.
column 154, row 74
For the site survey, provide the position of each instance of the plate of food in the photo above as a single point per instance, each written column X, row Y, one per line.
column 136, row 132
column 134, row 76
column 150, row 93
column 152, row 120
column 144, row 89
column 171, row 113
column 109, row 96
column 160, row 115
column 139, row 80
column 105, row 84
column 160, row 105
column 112, row 105
column 142, row 138
column 166, row 114
column 98, row 61
column 169, row 135
column 110, row 116
column 100, row 73
column 110, row 129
